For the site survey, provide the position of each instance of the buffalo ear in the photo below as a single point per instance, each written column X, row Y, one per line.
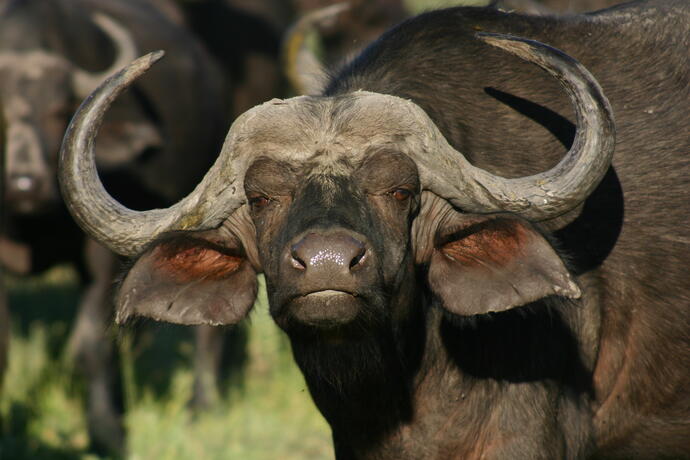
column 190, row 278
column 491, row 264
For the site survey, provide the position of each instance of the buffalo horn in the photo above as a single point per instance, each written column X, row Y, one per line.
column 302, row 68
column 125, row 52
column 551, row 193
column 123, row 230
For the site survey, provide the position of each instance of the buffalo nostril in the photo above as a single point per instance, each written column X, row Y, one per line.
column 296, row 261
column 23, row 183
column 358, row 259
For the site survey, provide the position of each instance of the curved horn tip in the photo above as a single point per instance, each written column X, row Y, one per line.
column 148, row 59
column 326, row 17
column 156, row 55
column 521, row 47
column 338, row 7
column 499, row 40
column 139, row 66
column 301, row 66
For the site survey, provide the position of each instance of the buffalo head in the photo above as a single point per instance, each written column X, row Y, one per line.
column 346, row 204
column 39, row 90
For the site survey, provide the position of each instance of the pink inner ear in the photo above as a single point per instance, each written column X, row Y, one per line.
column 496, row 243
column 196, row 262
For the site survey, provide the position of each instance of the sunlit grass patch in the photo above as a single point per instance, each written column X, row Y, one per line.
column 40, row 406
column 271, row 417
column 266, row 414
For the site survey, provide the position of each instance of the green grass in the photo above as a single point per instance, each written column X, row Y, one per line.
column 265, row 411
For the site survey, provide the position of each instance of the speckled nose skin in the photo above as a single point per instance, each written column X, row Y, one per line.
column 328, row 255
column 336, row 259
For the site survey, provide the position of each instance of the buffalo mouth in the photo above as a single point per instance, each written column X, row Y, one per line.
column 325, row 309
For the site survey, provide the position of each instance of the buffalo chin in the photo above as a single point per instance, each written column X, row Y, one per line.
column 327, row 309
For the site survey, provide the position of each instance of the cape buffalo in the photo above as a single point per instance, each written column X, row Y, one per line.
column 53, row 53
column 494, row 303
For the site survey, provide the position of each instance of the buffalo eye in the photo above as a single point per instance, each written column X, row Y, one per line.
column 401, row 194
column 258, row 202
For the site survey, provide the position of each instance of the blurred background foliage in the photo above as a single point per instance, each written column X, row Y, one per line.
column 265, row 412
